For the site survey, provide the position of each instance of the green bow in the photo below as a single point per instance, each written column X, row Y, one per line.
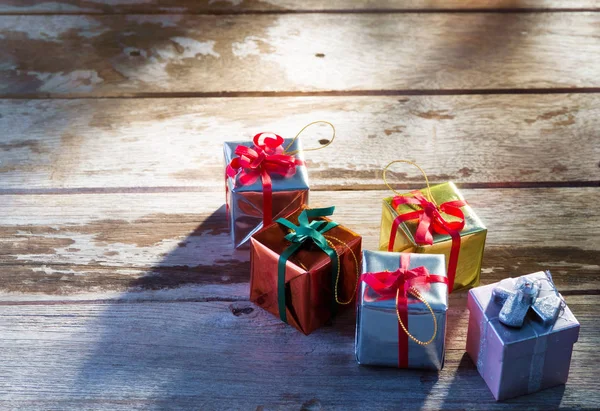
column 299, row 234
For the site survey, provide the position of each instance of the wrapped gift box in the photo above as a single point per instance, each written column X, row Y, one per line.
column 309, row 278
column 515, row 360
column 380, row 338
column 245, row 202
column 472, row 235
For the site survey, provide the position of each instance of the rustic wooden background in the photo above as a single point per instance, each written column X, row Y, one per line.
column 118, row 285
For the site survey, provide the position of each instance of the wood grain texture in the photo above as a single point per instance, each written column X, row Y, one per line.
column 118, row 285
column 241, row 6
column 183, row 355
column 148, row 55
column 500, row 141
column 176, row 245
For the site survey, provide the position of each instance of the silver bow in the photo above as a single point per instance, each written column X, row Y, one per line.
column 517, row 297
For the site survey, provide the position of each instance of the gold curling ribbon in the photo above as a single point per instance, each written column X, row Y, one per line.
column 428, row 193
column 291, row 153
column 337, row 278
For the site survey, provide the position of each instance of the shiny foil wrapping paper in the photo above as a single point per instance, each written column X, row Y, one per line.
column 377, row 321
column 245, row 202
column 308, row 275
column 518, row 361
column 472, row 235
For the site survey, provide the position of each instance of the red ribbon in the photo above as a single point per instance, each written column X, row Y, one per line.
column 389, row 284
column 264, row 159
column 431, row 221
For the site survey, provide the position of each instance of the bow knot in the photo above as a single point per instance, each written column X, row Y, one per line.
column 266, row 157
column 430, row 216
column 430, row 208
column 517, row 297
column 313, row 230
column 256, row 159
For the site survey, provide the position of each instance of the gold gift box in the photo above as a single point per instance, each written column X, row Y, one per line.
column 472, row 236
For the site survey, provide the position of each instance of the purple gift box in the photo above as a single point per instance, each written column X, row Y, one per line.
column 534, row 352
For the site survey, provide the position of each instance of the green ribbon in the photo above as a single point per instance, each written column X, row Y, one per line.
column 300, row 233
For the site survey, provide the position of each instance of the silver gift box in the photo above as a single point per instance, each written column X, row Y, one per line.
column 517, row 361
column 244, row 202
column 377, row 321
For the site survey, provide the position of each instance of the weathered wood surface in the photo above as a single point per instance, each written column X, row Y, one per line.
column 118, row 285
column 478, row 141
column 194, row 54
column 218, row 355
column 282, row 6
column 65, row 247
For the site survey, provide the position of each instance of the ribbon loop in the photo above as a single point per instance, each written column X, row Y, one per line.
column 298, row 235
column 315, row 148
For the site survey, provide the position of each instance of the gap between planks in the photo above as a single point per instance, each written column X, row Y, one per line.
column 120, row 7
column 313, row 11
column 321, row 187
column 276, row 94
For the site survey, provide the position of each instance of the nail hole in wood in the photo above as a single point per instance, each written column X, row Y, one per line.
column 237, row 311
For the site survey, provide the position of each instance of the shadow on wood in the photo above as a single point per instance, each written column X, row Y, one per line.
column 457, row 390
column 214, row 354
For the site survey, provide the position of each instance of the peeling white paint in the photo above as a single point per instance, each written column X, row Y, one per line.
column 347, row 51
column 53, row 27
column 152, row 68
column 248, row 47
column 49, row 270
column 45, row 7
column 194, row 48
column 565, row 264
column 186, row 292
column 164, row 253
column 75, row 81
column 8, row 66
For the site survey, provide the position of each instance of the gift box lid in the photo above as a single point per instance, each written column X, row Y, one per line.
column 521, row 342
column 436, row 294
column 441, row 193
column 298, row 181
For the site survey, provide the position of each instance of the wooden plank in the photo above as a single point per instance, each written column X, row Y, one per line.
column 236, row 356
column 500, row 140
column 280, row 6
column 176, row 245
column 149, row 55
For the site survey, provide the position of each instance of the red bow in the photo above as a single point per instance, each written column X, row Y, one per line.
column 397, row 283
column 431, row 221
column 262, row 160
